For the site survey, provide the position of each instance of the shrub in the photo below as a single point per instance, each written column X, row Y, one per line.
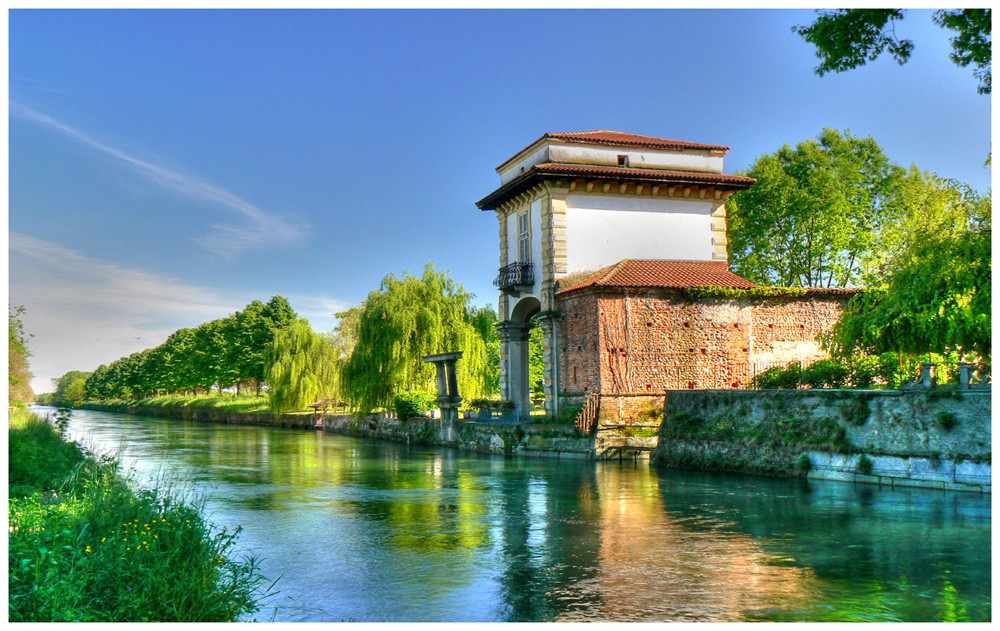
column 410, row 403
column 947, row 420
column 863, row 371
column 568, row 413
column 768, row 379
column 864, row 466
column 825, row 373
column 780, row 378
column 858, row 413
column 804, row 464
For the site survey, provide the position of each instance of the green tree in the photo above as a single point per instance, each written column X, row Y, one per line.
column 485, row 320
column 303, row 367
column 406, row 319
column 849, row 38
column 70, row 389
column 223, row 352
column 815, row 214
column 536, row 360
column 937, row 299
column 926, row 205
column 18, row 374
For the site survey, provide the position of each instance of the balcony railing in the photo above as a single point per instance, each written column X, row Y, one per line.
column 513, row 275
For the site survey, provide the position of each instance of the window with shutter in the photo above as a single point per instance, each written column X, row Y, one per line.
column 524, row 237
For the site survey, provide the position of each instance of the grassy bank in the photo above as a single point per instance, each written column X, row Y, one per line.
column 86, row 544
column 224, row 403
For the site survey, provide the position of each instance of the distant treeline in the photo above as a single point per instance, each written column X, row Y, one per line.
column 228, row 352
column 375, row 353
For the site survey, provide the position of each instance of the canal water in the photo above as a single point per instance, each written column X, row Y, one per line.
column 359, row 530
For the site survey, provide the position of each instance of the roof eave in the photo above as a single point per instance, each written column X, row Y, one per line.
column 539, row 173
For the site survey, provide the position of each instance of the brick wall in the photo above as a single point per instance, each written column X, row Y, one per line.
column 580, row 359
column 651, row 340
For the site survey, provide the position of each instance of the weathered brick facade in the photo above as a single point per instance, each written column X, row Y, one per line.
column 639, row 340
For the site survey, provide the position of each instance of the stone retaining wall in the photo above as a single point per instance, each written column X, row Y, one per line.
column 550, row 440
column 937, row 438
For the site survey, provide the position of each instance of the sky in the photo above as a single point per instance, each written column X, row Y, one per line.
column 168, row 167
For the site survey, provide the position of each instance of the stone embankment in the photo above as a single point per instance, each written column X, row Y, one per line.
column 937, row 438
column 531, row 439
column 929, row 438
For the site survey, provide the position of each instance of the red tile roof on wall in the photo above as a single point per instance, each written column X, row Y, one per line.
column 539, row 172
column 619, row 139
column 663, row 274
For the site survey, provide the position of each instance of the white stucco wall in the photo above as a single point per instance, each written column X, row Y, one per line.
column 570, row 153
column 512, row 238
column 515, row 168
column 601, row 231
column 536, row 246
column 688, row 160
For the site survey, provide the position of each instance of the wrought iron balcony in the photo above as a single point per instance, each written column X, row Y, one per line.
column 513, row 275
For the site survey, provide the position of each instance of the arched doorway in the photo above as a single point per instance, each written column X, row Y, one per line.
column 514, row 335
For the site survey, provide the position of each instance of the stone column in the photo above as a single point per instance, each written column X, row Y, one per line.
column 514, row 362
column 550, row 354
column 448, row 398
column 926, row 375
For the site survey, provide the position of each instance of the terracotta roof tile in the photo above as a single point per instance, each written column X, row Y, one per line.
column 620, row 138
column 664, row 274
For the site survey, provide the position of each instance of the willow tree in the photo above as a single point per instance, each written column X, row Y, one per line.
column 406, row 319
column 938, row 300
column 302, row 368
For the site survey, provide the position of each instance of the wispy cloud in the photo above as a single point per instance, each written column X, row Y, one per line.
column 84, row 312
column 228, row 239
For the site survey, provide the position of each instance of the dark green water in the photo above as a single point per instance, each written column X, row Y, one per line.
column 368, row 531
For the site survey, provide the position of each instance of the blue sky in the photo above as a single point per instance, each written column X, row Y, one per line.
column 168, row 167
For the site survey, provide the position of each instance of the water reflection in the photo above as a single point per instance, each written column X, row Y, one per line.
column 370, row 531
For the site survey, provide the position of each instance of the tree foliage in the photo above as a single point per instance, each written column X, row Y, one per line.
column 70, row 390
column 406, row 319
column 536, row 360
column 18, row 373
column 303, row 368
column 485, row 321
column 936, row 297
column 849, row 38
column 938, row 301
column 815, row 214
column 222, row 353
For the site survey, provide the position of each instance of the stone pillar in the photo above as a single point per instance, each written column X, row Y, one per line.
column 514, row 363
column 550, row 354
column 447, row 382
column 926, row 375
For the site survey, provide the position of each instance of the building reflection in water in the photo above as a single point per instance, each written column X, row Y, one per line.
column 386, row 532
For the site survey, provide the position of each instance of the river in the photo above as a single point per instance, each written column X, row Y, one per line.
column 360, row 530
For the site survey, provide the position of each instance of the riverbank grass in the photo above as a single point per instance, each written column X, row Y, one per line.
column 87, row 544
column 243, row 404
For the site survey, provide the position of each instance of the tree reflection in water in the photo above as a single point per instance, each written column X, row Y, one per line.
column 362, row 530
